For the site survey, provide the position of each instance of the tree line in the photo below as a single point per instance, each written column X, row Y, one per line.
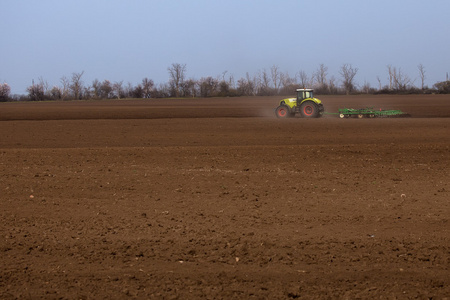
column 264, row 83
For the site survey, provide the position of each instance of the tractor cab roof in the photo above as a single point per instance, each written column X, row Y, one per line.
column 305, row 90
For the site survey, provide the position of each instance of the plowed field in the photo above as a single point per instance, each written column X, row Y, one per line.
column 217, row 198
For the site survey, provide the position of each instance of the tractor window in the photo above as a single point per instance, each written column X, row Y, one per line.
column 304, row 94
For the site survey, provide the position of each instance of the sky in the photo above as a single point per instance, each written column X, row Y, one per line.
column 128, row 40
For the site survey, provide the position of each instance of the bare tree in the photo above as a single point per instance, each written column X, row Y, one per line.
column 128, row 90
column 137, row 92
column 223, row 75
column 251, row 83
column 96, row 88
column 275, row 73
column 366, row 87
column 55, row 93
column 320, row 77
column 286, row 79
column 118, row 89
column 87, row 92
column 208, row 86
column 379, row 83
column 232, row 82
column 45, row 86
column 177, row 73
column 77, row 85
column 246, row 86
column 106, row 89
column 162, row 91
column 147, row 86
column 258, row 83
column 331, row 86
column 304, row 80
column 224, row 88
column 265, row 80
column 391, row 76
column 348, row 74
column 398, row 80
column 189, row 88
column 36, row 92
column 263, row 83
column 402, row 81
column 5, row 90
column 422, row 75
column 288, row 84
column 65, row 87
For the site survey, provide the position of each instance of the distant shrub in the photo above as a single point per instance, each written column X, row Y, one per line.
column 5, row 90
column 36, row 92
column 443, row 87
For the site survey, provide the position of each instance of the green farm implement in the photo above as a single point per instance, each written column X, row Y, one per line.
column 370, row 112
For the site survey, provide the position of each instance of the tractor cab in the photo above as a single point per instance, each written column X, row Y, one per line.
column 303, row 94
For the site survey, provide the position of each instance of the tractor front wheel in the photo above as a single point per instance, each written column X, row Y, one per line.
column 282, row 112
column 309, row 109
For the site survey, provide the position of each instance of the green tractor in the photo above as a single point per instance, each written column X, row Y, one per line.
column 305, row 104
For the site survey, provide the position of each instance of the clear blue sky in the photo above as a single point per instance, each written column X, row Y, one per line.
column 132, row 39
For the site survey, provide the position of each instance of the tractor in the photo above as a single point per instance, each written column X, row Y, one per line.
column 305, row 104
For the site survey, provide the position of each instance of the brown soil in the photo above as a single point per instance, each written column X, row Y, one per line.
column 216, row 198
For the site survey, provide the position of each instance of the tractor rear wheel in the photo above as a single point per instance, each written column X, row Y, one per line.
column 309, row 109
column 282, row 112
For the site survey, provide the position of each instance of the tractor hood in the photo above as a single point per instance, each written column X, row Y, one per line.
column 289, row 100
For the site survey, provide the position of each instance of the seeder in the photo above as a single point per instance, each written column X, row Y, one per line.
column 370, row 112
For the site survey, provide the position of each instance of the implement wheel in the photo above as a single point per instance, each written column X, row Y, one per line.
column 283, row 112
column 309, row 110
